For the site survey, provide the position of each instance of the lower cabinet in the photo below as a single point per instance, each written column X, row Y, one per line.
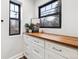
column 27, row 53
column 60, row 51
column 27, row 46
column 52, row 55
column 34, row 56
column 37, row 53
column 36, row 48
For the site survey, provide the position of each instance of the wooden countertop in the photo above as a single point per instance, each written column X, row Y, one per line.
column 67, row 40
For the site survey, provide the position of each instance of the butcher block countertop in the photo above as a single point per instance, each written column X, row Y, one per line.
column 66, row 40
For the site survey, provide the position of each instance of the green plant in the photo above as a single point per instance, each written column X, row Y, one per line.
column 26, row 25
column 31, row 26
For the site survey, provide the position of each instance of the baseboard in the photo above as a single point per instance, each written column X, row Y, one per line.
column 17, row 56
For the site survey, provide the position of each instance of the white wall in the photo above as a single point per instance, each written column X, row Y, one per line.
column 69, row 17
column 12, row 45
column 28, row 12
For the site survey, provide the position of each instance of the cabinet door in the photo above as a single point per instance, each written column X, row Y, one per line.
column 65, row 51
column 38, row 41
column 27, row 40
column 52, row 55
column 27, row 46
column 37, row 50
column 34, row 56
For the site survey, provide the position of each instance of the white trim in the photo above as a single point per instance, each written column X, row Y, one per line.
column 16, row 1
column 17, row 56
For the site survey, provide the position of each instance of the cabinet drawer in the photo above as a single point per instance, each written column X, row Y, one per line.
column 27, row 40
column 34, row 56
column 27, row 43
column 27, row 55
column 27, row 49
column 38, row 41
column 25, row 36
column 38, row 50
column 69, row 53
column 51, row 55
column 27, row 52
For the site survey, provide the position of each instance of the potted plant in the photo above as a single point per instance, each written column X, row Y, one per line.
column 27, row 27
column 31, row 27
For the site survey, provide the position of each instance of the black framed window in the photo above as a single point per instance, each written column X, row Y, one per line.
column 14, row 19
column 50, row 14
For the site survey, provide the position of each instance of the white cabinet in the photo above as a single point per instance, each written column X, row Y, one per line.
column 63, row 51
column 37, row 48
column 34, row 47
column 28, row 43
column 27, row 52
column 34, row 56
column 52, row 55
column 38, row 41
column 27, row 40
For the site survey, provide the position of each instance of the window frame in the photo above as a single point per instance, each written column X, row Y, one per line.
column 46, row 4
column 19, row 18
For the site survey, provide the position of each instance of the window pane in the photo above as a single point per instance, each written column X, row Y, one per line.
column 55, row 4
column 43, row 13
column 51, row 21
column 43, row 9
column 16, row 15
column 48, row 7
column 48, row 12
column 16, row 8
column 12, row 7
column 12, row 14
column 51, row 11
column 14, row 26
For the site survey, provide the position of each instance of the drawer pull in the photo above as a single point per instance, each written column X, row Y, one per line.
column 36, row 41
column 64, row 57
column 36, row 51
column 57, row 49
